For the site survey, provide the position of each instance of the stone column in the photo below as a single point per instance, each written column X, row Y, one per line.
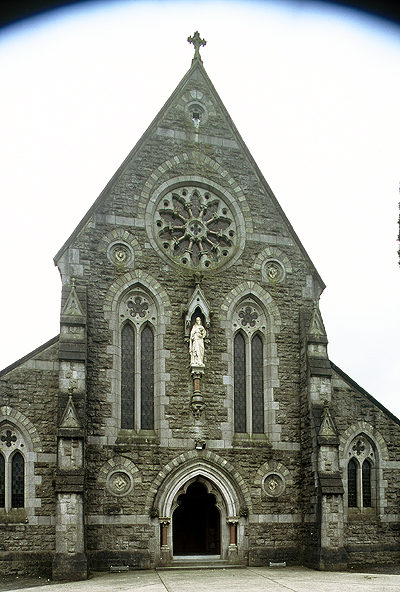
column 165, row 553
column 70, row 562
column 197, row 404
column 233, row 549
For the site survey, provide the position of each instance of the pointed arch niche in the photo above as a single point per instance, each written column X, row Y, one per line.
column 137, row 309
column 251, row 322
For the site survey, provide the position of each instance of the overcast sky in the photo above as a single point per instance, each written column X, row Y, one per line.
column 314, row 91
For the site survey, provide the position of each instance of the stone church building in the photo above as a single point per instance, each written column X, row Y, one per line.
column 188, row 407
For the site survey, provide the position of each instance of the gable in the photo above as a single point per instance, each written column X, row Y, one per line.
column 193, row 145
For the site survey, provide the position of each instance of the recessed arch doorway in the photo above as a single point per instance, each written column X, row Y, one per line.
column 196, row 522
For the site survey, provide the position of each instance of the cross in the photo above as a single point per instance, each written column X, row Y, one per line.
column 197, row 42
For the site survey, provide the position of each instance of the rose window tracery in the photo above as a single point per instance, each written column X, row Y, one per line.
column 195, row 228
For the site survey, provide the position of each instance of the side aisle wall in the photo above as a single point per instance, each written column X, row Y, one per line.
column 28, row 392
column 370, row 444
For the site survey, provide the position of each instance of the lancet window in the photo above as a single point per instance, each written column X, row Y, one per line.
column 248, row 364
column 138, row 317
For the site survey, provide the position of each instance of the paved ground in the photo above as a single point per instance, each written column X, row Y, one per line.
column 254, row 579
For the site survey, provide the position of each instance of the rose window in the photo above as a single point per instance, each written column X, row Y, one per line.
column 195, row 228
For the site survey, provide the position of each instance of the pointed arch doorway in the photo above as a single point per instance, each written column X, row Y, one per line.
column 196, row 523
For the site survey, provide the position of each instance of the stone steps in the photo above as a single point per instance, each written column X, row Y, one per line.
column 199, row 562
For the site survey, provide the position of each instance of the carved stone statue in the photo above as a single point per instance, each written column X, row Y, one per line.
column 196, row 346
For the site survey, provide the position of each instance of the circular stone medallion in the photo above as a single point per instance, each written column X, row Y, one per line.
column 119, row 483
column 273, row 485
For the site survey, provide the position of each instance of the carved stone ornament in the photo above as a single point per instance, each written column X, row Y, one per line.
column 120, row 254
column 327, row 428
column 317, row 328
column 72, row 307
column 273, row 271
column 273, row 485
column 70, row 417
column 119, row 483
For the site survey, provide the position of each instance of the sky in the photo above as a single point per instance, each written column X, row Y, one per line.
column 314, row 91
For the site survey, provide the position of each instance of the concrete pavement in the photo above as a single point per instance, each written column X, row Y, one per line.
column 254, row 579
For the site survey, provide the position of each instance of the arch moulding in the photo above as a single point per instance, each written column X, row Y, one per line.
column 188, row 466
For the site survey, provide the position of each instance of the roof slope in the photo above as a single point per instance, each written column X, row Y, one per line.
column 31, row 354
column 363, row 392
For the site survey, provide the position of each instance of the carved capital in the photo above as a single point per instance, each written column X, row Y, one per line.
column 164, row 521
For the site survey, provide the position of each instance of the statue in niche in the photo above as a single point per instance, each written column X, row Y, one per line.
column 196, row 346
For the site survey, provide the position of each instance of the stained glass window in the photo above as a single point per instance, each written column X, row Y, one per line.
column 147, row 379
column 366, row 484
column 352, row 483
column 2, row 482
column 17, row 481
column 240, row 383
column 128, row 378
column 257, row 385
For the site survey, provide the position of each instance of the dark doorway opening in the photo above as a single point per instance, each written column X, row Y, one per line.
column 196, row 523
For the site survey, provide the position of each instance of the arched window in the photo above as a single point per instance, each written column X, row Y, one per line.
column 12, row 469
column 137, row 377
column 147, row 379
column 128, row 377
column 352, row 483
column 366, row 484
column 361, row 474
column 239, row 356
column 17, row 480
column 257, row 384
column 248, row 360
column 2, row 482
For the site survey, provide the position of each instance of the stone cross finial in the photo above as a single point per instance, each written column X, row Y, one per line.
column 197, row 42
